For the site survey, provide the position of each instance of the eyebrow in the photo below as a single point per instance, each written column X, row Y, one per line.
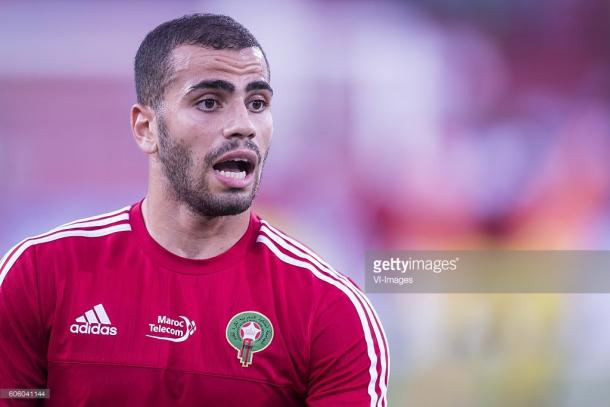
column 214, row 84
column 220, row 84
column 259, row 85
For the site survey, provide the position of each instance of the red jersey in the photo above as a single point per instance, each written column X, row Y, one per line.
column 102, row 315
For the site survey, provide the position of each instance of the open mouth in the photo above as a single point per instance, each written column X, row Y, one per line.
column 236, row 165
column 236, row 168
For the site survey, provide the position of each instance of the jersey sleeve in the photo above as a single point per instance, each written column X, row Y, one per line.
column 346, row 354
column 22, row 343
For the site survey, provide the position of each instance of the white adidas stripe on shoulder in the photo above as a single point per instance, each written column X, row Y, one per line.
column 367, row 334
column 91, row 223
column 9, row 260
column 101, row 216
column 302, row 251
column 364, row 309
column 67, row 230
column 307, row 254
column 94, row 221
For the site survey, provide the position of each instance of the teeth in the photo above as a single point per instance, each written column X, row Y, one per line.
column 236, row 175
column 243, row 160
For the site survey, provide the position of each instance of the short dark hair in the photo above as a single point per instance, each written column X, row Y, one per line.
column 153, row 67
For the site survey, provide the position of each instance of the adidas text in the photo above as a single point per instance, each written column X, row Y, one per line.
column 95, row 329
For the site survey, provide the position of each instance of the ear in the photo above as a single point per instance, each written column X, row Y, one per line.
column 142, row 127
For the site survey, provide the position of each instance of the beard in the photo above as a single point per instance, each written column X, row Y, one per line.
column 187, row 177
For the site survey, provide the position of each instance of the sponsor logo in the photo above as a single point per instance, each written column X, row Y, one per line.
column 249, row 332
column 94, row 322
column 174, row 330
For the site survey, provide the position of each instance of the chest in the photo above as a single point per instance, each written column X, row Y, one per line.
column 178, row 331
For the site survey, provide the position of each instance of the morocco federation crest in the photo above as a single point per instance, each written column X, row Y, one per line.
column 249, row 332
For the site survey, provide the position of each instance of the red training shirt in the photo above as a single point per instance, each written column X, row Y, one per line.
column 102, row 315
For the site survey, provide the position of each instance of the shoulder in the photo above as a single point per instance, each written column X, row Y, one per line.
column 314, row 277
column 97, row 226
column 295, row 257
column 344, row 327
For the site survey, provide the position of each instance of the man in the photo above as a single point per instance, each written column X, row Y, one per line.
column 187, row 298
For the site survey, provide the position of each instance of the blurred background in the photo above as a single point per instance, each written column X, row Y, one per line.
column 437, row 124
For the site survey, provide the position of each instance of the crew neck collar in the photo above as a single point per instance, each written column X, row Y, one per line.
column 171, row 261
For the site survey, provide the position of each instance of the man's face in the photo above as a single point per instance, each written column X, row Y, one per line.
column 215, row 127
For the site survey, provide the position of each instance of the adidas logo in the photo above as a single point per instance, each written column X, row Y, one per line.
column 94, row 322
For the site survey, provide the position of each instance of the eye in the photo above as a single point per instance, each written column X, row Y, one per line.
column 208, row 105
column 257, row 105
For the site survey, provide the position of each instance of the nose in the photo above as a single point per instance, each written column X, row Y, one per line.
column 239, row 124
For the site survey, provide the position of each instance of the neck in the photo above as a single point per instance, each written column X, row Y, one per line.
column 182, row 232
